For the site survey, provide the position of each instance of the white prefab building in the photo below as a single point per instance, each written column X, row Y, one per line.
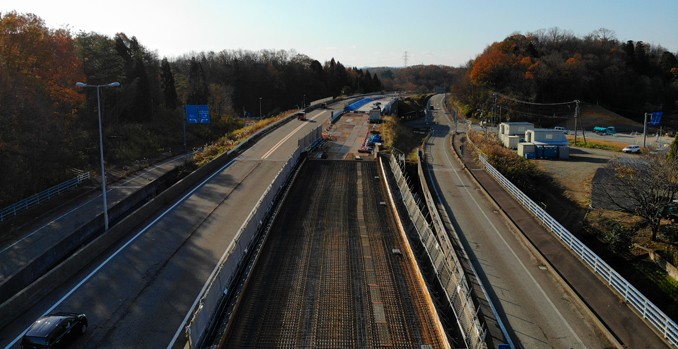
column 548, row 143
column 546, row 136
column 534, row 143
column 512, row 133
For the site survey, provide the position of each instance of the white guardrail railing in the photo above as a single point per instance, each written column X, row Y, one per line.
column 35, row 200
column 661, row 322
column 448, row 269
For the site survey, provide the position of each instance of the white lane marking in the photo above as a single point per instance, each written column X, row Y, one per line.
column 280, row 143
column 98, row 197
column 228, row 249
column 541, row 290
column 142, row 231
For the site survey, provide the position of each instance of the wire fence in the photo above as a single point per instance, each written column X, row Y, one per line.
column 37, row 199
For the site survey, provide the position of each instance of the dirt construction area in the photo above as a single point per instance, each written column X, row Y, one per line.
column 576, row 173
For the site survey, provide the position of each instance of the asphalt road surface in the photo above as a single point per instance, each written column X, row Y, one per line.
column 534, row 308
column 140, row 295
column 46, row 231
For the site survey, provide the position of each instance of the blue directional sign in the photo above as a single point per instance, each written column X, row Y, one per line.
column 656, row 118
column 197, row 114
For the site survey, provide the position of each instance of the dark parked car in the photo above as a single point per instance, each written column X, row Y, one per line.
column 54, row 330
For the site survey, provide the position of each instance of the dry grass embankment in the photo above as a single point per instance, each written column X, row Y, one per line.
column 232, row 139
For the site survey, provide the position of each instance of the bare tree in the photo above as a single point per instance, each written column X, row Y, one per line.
column 644, row 186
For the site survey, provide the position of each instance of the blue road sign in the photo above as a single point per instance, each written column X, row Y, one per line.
column 656, row 118
column 197, row 114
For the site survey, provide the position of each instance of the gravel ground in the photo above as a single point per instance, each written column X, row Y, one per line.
column 576, row 173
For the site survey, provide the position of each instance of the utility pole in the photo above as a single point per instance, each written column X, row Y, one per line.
column 576, row 117
column 645, row 127
column 494, row 110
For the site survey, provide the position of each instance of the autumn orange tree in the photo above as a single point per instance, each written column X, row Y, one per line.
column 38, row 67
column 48, row 127
column 554, row 66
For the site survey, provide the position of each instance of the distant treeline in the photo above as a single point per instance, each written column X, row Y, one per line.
column 418, row 78
column 553, row 65
column 48, row 127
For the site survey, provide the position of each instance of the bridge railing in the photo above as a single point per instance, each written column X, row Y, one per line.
column 448, row 269
column 46, row 195
column 660, row 321
column 220, row 282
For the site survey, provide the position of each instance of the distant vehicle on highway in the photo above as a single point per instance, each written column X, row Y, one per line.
column 631, row 149
column 301, row 115
column 54, row 330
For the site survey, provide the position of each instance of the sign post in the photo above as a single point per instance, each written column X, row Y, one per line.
column 195, row 114
column 655, row 120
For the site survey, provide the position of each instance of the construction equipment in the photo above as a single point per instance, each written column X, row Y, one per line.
column 601, row 130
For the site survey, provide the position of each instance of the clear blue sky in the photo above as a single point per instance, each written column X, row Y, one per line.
column 357, row 33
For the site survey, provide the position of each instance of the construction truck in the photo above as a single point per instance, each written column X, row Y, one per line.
column 601, row 130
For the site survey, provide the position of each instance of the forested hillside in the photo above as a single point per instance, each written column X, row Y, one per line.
column 418, row 78
column 553, row 65
column 48, row 127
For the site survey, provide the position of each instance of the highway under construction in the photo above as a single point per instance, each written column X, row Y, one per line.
column 335, row 271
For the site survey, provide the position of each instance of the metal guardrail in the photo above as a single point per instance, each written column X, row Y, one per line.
column 660, row 321
column 36, row 199
column 449, row 270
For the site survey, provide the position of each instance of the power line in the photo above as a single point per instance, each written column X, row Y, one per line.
column 533, row 103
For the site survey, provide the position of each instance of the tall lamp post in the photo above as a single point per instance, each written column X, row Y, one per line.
column 260, row 107
column 101, row 144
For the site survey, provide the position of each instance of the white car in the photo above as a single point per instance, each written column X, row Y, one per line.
column 631, row 149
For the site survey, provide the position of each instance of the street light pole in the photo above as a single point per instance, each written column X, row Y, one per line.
column 260, row 107
column 101, row 145
column 303, row 104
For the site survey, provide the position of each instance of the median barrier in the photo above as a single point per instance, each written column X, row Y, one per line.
column 78, row 238
column 21, row 301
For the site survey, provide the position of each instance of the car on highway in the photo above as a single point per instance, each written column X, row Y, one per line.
column 631, row 149
column 54, row 330
column 301, row 115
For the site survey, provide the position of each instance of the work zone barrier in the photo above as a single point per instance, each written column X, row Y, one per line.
column 34, row 200
column 660, row 321
column 448, row 270
column 357, row 104
column 217, row 285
